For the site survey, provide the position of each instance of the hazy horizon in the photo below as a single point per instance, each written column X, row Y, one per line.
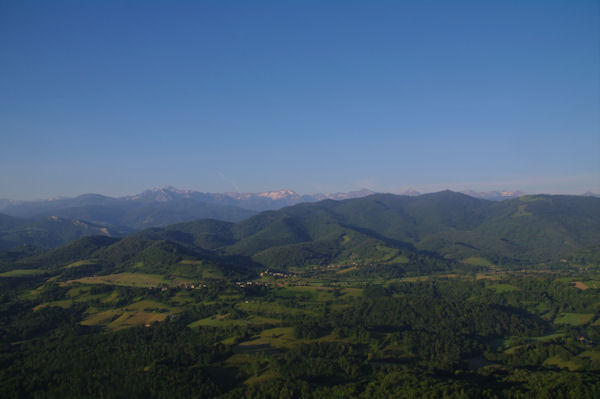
column 404, row 192
column 117, row 97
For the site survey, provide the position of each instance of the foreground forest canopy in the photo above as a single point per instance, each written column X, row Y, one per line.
column 441, row 295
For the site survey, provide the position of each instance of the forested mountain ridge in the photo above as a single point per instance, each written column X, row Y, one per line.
column 132, row 214
column 164, row 206
column 525, row 230
column 48, row 232
column 160, row 207
column 431, row 229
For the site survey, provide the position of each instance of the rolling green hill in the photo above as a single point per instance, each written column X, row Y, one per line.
column 80, row 249
column 547, row 227
column 426, row 233
column 101, row 255
column 383, row 227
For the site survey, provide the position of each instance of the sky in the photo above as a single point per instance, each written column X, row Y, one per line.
column 115, row 97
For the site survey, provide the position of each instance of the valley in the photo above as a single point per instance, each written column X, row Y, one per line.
column 496, row 331
column 382, row 296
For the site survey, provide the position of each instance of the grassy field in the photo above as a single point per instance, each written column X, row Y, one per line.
column 298, row 292
column 272, row 309
column 191, row 262
column 548, row 337
column 126, row 279
column 79, row 263
column 182, row 298
column 142, row 312
column 100, row 317
column 22, row 273
column 500, row 287
column 225, row 320
column 316, row 292
column 557, row 361
column 542, row 309
column 510, row 344
column 277, row 338
column 386, row 255
column 83, row 294
column 113, row 297
column 591, row 354
column 129, row 319
column 574, row 319
column 261, row 320
column 269, row 312
column 222, row 321
column 63, row 303
column 477, row 261
column 149, row 305
column 211, row 273
column 352, row 292
column 143, row 280
column 280, row 337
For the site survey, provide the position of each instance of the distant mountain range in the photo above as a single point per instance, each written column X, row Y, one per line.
column 488, row 195
column 50, row 231
column 27, row 222
column 50, row 223
column 429, row 232
column 255, row 202
column 130, row 213
column 258, row 202
column 494, row 195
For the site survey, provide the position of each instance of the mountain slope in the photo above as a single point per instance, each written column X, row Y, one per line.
column 546, row 226
column 424, row 233
column 527, row 229
column 164, row 206
column 136, row 214
column 48, row 231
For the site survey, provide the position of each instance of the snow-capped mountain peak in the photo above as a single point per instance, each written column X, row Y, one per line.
column 279, row 195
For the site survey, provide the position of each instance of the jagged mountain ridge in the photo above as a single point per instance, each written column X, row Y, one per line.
column 260, row 201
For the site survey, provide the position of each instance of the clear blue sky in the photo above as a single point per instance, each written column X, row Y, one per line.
column 115, row 97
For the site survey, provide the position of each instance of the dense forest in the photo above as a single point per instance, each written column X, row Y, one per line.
column 502, row 335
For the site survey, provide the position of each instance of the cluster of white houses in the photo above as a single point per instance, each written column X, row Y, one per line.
column 276, row 274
